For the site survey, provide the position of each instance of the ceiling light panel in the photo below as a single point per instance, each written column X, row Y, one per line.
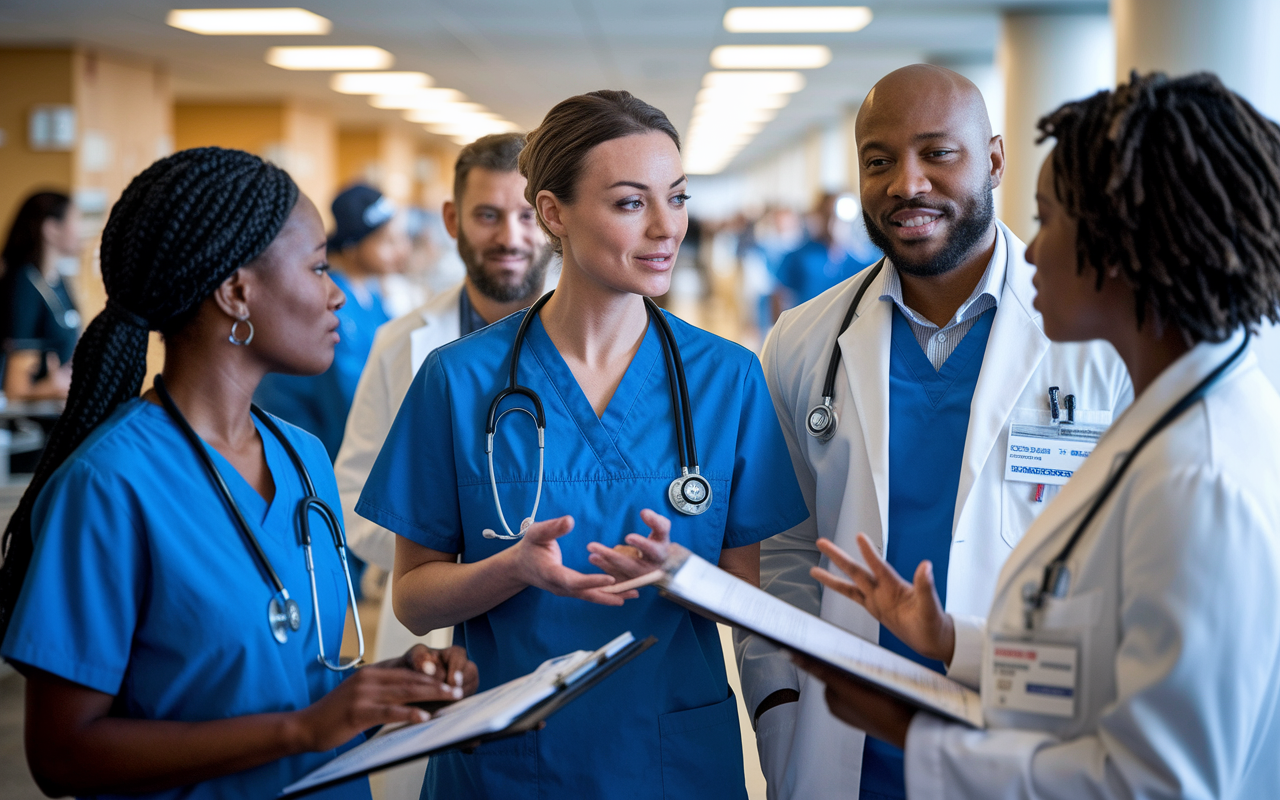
column 419, row 98
column 762, row 82
column 249, row 21
column 770, row 56
column 797, row 19
column 379, row 83
column 452, row 112
column 329, row 58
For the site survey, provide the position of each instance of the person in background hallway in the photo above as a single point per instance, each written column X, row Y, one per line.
column 506, row 255
column 826, row 258
column 129, row 597
column 38, row 320
column 364, row 247
column 1158, row 215
column 943, row 354
column 605, row 175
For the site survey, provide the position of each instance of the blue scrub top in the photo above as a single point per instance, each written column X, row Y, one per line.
column 142, row 587
column 319, row 403
column 810, row 270
column 665, row 726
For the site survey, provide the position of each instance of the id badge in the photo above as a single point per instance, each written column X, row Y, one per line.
column 1033, row 677
column 1044, row 452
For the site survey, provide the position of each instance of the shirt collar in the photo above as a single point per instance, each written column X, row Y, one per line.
column 990, row 285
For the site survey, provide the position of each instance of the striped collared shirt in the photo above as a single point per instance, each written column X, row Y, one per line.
column 939, row 343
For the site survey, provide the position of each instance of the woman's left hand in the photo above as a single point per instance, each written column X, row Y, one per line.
column 456, row 674
column 853, row 702
column 640, row 555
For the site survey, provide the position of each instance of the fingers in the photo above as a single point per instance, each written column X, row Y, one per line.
column 548, row 530
column 839, row 585
column 620, row 566
column 879, row 567
column 653, row 551
column 659, row 526
column 459, row 670
column 923, row 581
column 860, row 574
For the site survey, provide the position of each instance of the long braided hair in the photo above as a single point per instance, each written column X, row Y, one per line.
column 1175, row 182
column 178, row 231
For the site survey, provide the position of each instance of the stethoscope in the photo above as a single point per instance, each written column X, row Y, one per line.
column 283, row 614
column 1057, row 578
column 822, row 420
column 690, row 493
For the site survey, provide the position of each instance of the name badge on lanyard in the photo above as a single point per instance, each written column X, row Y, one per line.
column 1033, row 677
column 1044, row 451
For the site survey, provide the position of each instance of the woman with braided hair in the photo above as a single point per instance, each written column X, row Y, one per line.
column 131, row 599
column 1131, row 647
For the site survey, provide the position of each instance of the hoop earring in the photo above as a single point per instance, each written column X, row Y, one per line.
column 242, row 342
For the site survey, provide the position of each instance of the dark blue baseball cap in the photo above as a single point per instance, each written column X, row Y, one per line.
column 357, row 212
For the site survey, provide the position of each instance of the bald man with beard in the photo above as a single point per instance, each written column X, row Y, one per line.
column 942, row 353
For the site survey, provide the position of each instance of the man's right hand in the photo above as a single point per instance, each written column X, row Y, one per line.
column 911, row 611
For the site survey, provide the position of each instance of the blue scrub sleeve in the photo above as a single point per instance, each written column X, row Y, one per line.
column 81, row 598
column 765, row 499
column 413, row 487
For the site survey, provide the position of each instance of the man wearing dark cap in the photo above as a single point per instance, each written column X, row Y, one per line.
column 366, row 244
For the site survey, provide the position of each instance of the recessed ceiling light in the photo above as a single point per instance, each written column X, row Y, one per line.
column 453, row 112
column 248, row 21
column 379, row 82
column 329, row 58
column 797, row 19
column 762, row 82
column 736, row 97
column 770, row 56
column 419, row 98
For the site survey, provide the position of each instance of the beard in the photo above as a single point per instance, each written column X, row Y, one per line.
column 970, row 223
column 503, row 288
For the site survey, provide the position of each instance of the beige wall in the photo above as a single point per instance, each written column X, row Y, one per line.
column 29, row 78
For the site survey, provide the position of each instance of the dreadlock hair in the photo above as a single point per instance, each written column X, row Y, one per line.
column 1176, row 183
column 178, row 231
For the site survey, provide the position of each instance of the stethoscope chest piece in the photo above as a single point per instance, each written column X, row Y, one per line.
column 690, row 494
column 822, row 421
column 283, row 618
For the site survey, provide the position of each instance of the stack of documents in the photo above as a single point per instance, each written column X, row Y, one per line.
column 710, row 591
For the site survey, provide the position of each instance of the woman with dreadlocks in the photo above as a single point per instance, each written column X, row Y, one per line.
column 159, row 530
column 1132, row 644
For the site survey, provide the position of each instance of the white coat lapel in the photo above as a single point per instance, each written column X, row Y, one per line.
column 1014, row 350
column 442, row 323
column 864, row 353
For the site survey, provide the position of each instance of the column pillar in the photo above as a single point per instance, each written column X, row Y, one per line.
column 1233, row 38
column 1046, row 60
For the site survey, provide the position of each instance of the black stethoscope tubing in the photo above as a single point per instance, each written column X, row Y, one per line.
column 289, row 612
column 1057, row 577
column 822, row 420
column 687, row 500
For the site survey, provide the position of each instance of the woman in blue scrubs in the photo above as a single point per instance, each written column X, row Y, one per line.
column 131, row 601
column 605, row 176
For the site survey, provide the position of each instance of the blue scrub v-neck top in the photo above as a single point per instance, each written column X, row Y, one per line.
column 664, row 726
column 142, row 587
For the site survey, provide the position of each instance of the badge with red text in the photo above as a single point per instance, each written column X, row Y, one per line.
column 1032, row 677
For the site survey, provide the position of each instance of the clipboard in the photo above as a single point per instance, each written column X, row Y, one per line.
column 708, row 591
column 578, row 677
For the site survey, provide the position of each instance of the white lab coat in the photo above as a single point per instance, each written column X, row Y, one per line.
column 805, row 751
column 1172, row 602
column 399, row 348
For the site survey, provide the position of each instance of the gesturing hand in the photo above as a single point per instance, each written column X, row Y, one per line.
column 911, row 611
column 540, row 563
column 640, row 555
